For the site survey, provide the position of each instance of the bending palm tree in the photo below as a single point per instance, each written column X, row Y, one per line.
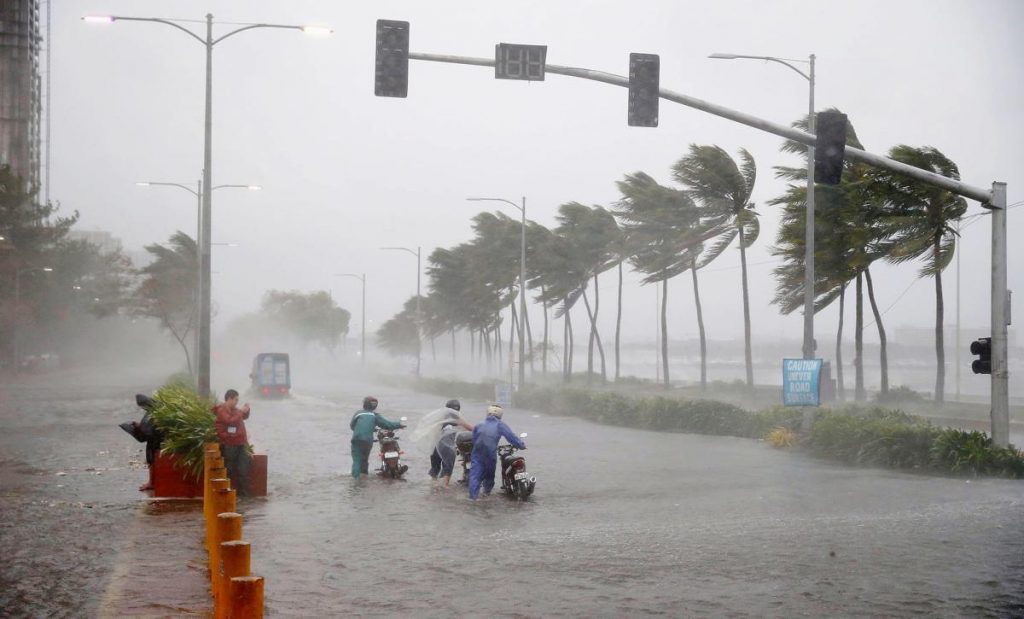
column 723, row 191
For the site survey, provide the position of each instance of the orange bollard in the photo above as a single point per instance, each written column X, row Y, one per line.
column 246, row 598
column 210, row 451
column 234, row 561
column 229, row 529
column 210, row 524
column 223, row 501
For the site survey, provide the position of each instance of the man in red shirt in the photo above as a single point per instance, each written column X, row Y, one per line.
column 234, row 444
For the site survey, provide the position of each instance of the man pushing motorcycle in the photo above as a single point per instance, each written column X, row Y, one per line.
column 486, row 436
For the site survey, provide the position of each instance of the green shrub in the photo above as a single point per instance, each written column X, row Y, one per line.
column 186, row 421
column 899, row 395
column 973, row 452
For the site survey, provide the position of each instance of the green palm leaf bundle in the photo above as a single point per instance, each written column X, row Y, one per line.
column 186, row 422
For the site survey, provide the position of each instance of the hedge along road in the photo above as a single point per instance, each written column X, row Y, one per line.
column 622, row 522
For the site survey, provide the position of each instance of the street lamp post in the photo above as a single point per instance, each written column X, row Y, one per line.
column 209, row 42
column 198, row 193
column 808, row 340
column 17, row 303
column 419, row 315
column 522, row 282
column 362, row 278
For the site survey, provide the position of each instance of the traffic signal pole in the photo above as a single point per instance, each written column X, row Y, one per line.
column 994, row 200
column 1000, row 317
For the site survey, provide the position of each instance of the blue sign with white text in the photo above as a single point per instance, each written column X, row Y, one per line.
column 801, row 382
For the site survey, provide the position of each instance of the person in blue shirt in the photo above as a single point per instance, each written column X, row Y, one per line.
column 486, row 435
column 364, row 422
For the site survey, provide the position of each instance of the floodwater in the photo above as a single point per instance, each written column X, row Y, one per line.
column 622, row 523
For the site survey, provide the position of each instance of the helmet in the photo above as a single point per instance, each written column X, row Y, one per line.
column 453, row 404
column 495, row 410
column 369, row 403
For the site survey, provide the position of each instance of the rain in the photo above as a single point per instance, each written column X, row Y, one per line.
column 405, row 234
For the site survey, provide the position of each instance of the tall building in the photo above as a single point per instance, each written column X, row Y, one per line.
column 20, row 88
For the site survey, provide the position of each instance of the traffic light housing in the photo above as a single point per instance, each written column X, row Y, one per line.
column 829, row 147
column 644, row 89
column 983, row 348
column 391, row 75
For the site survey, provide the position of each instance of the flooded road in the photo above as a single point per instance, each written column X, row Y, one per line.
column 623, row 522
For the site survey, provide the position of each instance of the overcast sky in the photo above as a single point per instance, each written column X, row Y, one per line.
column 345, row 173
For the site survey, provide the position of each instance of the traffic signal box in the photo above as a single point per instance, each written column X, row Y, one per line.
column 829, row 147
column 391, row 76
column 983, row 348
column 644, row 89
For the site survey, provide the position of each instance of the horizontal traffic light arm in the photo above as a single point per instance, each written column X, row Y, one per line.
column 969, row 191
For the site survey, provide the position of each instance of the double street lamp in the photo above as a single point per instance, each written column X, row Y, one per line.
column 208, row 42
column 808, row 340
column 362, row 337
column 17, row 303
column 198, row 193
column 419, row 315
column 522, row 281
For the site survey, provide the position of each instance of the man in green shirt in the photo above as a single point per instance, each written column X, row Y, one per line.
column 364, row 422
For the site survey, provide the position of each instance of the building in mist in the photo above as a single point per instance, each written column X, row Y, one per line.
column 20, row 88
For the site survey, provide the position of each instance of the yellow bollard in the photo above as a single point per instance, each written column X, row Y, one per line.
column 234, row 561
column 210, row 451
column 210, row 524
column 223, row 501
column 229, row 529
column 246, row 597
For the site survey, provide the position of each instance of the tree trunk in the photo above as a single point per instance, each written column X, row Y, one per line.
column 512, row 331
column 700, row 329
column 859, row 394
column 747, row 355
column 597, row 334
column 433, row 349
column 883, row 352
column 571, row 346
column 664, row 331
column 590, row 339
column 618, row 324
column 529, row 340
column 840, row 386
column 940, row 346
column 452, row 330
column 544, row 352
column 498, row 357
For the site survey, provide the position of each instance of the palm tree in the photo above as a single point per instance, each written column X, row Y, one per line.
column 921, row 224
column 664, row 227
column 848, row 239
column 723, row 190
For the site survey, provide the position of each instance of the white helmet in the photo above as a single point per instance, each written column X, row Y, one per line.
column 495, row 410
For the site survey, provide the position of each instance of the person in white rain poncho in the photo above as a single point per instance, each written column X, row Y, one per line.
column 437, row 430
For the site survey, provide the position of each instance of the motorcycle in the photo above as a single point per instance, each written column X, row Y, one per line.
column 390, row 454
column 515, row 481
column 464, row 448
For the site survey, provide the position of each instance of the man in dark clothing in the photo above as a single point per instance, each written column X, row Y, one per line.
column 234, row 444
column 362, row 425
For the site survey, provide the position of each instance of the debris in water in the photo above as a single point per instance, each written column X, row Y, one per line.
column 61, row 473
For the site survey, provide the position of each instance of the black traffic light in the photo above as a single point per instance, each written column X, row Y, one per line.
column 391, row 77
column 513, row 61
column 829, row 147
column 983, row 348
column 644, row 72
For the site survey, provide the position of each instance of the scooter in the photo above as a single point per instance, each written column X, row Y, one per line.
column 464, row 446
column 390, row 454
column 515, row 481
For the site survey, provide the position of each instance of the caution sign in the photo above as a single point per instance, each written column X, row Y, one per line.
column 801, row 382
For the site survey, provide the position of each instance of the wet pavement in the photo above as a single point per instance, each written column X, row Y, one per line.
column 622, row 523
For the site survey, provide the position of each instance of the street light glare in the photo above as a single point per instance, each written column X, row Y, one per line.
column 98, row 19
column 318, row 31
column 142, row 184
column 254, row 187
